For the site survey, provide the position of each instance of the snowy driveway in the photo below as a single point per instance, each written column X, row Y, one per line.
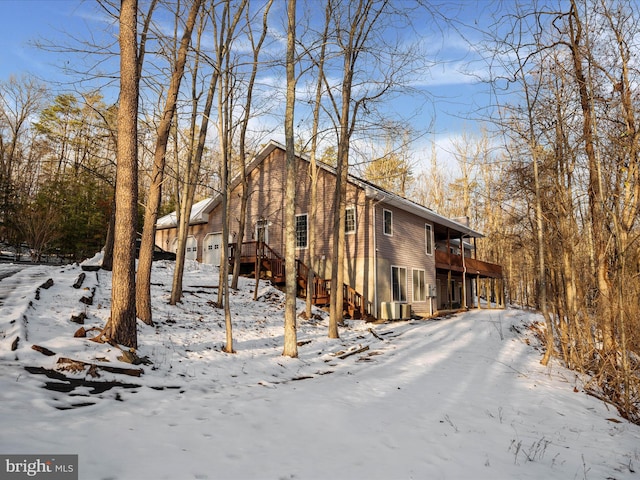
column 459, row 398
column 18, row 282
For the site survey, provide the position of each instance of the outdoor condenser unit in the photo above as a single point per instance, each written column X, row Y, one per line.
column 394, row 311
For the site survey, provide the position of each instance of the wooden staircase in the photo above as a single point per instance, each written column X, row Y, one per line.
column 261, row 256
column 321, row 292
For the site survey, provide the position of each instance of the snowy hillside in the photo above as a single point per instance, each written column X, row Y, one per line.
column 461, row 397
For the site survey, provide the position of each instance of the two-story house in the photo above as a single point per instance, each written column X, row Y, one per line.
column 401, row 258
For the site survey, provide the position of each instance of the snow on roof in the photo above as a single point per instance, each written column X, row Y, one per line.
column 199, row 214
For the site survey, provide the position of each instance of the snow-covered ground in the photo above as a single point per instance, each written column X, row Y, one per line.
column 461, row 397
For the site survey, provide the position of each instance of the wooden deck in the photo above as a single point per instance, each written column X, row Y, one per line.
column 449, row 261
column 259, row 255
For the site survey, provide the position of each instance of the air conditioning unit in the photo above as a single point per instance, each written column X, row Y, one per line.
column 386, row 311
column 394, row 311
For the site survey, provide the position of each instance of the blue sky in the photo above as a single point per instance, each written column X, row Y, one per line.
column 23, row 22
column 455, row 98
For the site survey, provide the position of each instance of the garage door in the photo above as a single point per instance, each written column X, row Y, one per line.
column 212, row 248
column 191, row 252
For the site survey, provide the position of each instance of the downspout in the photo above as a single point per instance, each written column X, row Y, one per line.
column 449, row 290
column 464, row 274
column 375, row 264
column 375, row 259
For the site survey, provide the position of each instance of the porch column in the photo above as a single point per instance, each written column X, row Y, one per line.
column 464, row 290
column 478, row 290
column 464, row 275
column 492, row 291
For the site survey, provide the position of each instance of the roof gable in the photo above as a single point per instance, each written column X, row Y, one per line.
column 200, row 210
column 199, row 214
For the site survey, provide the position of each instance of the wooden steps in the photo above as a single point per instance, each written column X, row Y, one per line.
column 272, row 264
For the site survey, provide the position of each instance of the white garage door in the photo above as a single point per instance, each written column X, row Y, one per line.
column 191, row 249
column 191, row 252
column 212, row 248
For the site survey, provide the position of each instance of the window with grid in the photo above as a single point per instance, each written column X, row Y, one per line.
column 261, row 230
column 301, row 231
column 350, row 220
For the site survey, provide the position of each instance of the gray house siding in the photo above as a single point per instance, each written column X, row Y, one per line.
column 370, row 254
column 405, row 248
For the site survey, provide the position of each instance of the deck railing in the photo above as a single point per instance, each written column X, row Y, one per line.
column 355, row 302
column 450, row 261
column 251, row 252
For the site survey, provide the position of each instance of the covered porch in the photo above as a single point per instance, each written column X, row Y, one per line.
column 481, row 283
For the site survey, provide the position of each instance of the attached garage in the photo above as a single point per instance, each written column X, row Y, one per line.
column 212, row 247
column 191, row 250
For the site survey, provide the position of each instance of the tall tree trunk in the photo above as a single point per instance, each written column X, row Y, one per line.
column 107, row 258
column 342, row 171
column 594, row 191
column 290, row 336
column 193, row 171
column 313, row 170
column 225, row 134
column 336, row 305
column 121, row 327
column 244, row 123
column 147, row 243
column 354, row 38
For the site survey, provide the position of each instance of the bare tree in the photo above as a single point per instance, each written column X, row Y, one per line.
column 107, row 259
column 147, row 242
column 575, row 164
column 256, row 47
column 188, row 179
column 392, row 170
column 357, row 26
column 20, row 99
column 313, row 164
column 225, row 29
column 290, row 338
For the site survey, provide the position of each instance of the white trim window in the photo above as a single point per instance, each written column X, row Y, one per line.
column 428, row 236
column 399, row 284
column 302, row 231
column 350, row 220
column 419, row 285
column 262, row 230
column 387, row 222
